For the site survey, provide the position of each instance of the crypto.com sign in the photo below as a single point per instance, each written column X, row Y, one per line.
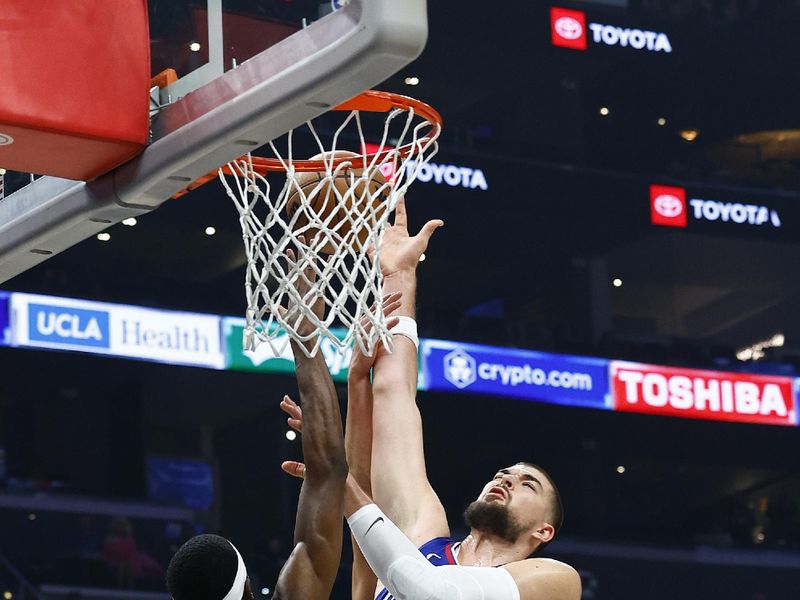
column 569, row 29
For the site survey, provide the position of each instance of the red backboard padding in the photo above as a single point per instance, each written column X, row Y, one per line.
column 74, row 79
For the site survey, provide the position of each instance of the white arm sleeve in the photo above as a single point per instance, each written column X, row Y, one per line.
column 409, row 576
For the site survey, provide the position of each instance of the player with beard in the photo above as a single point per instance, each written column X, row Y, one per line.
column 517, row 512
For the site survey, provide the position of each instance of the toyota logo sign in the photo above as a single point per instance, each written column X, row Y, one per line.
column 668, row 206
column 568, row 28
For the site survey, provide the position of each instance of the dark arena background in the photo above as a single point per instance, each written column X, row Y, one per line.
column 613, row 296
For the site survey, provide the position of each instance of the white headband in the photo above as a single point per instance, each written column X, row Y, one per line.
column 237, row 589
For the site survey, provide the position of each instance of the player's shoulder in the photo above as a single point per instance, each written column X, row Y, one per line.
column 544, row 564
column 557, row 579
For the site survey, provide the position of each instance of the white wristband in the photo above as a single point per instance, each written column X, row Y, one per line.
column 408, row 327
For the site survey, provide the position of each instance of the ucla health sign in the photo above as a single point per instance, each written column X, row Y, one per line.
column 114, row 329
column 560, row 379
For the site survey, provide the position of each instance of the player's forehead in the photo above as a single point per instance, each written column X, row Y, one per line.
column 523, row 468
column 520, row 469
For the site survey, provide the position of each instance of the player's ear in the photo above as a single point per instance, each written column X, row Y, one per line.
column 544, row 533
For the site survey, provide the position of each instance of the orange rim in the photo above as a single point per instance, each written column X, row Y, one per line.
column 369, row 101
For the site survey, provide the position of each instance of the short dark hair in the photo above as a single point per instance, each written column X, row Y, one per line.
column 556, row 508
column 202, row 569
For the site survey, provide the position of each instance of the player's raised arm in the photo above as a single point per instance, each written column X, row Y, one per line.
column 399, row 480
column 311, row 569
column 358, row 438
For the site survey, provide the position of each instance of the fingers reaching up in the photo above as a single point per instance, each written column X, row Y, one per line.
column 401, row 215
column 399, row 250
column 291, row 408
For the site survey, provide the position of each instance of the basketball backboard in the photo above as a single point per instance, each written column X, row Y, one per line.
column 249, row 70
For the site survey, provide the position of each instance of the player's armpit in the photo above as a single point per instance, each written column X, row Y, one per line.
column 545, row 579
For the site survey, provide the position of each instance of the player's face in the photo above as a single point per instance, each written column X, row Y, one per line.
column 524, row 492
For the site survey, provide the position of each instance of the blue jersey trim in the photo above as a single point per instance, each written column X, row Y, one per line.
column 438, row 551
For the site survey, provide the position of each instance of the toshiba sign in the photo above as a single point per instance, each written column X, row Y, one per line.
column 713, row 395
column 569, row 29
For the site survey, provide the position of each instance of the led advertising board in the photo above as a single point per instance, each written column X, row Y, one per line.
column 699, row 394
column 560, row 379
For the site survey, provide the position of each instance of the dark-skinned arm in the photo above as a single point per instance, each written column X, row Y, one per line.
column 311, row 569
column 358, row 440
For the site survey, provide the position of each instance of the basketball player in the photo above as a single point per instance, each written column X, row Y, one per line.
column 210, row 567
column 516, row 513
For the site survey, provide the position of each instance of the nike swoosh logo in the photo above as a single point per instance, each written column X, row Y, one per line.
column 375, row 522
column 432, row 554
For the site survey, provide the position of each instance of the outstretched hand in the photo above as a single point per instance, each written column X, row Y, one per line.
column 399, row 250
column 361, row 364
column 303, row 283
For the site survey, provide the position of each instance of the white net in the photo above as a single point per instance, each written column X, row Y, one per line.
column 331, row 222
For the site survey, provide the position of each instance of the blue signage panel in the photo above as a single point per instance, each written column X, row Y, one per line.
column 5, row 330
column 68, row 325
column 182, row 482
column 553, row 378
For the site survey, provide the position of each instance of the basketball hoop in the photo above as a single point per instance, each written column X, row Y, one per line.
column 329, row 211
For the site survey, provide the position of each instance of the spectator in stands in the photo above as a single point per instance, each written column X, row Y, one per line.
column 129, row 564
